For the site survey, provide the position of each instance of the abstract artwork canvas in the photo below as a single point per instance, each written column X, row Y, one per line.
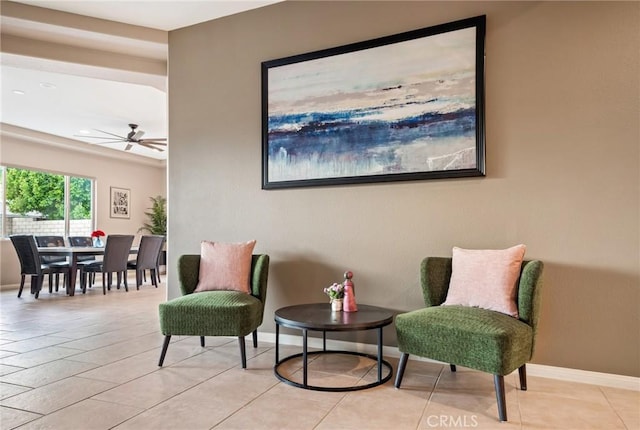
column 403, row 107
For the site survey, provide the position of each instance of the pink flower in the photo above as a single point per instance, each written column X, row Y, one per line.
column 335, row 291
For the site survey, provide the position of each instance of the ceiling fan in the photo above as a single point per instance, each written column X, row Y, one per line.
column 133, row 137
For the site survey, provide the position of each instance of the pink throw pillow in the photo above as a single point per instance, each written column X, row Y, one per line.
column 225, row 266
column 486, row 278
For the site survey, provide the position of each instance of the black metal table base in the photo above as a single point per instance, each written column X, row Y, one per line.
column 306, row 386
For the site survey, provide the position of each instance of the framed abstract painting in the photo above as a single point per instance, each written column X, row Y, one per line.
column 120, row 203
column 404, row 107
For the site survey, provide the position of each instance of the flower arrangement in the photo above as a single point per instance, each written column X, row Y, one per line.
column 97, row 233
column 335, row 291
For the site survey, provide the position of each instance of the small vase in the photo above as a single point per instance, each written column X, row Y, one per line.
column 336, row 305
column 97, row 242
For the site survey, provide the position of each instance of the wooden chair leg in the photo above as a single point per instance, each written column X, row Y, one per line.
column 104, row 284
column 124, row 275
column 522, row 372
column 255, row 338
column 401, row 366
column 202, row 341
column 243, row 352
column 165, row 345
column 498, row 381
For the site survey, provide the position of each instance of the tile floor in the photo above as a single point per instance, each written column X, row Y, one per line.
column 90, row 362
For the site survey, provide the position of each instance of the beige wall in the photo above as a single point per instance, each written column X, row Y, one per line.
column 144, row 179
column 562, row 131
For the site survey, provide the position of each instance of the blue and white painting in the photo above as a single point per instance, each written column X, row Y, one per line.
column 399, row 108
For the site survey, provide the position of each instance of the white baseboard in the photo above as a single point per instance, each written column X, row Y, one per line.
column 540, row 370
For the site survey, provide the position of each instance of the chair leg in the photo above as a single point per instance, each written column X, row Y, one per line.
column 104, row 284
column 522, row 372
column 243, row 352
column 202, row 341
column 401, row 366
column 124, row 275
column 498, row 381
column 453, row 367
column 21, row 285
column 39, row 280
column 165, row 345
column 255, row 338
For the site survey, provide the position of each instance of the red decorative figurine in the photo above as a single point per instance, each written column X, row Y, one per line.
column 349, row 294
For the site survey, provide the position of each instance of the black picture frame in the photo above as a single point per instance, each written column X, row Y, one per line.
column 404, row 107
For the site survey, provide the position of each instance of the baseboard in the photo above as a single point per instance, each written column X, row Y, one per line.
column 9, row 287
column 539, row 370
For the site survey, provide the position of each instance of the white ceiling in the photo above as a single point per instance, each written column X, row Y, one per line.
column 63, row 98
column 160, row 14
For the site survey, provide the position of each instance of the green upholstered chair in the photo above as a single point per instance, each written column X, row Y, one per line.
column 477, row 338
column 215, row 313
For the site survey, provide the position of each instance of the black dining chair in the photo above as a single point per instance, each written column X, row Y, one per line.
column 31, row 264
column 147, row 259
column 116, row 257
column 84, row 242
column 45, row 241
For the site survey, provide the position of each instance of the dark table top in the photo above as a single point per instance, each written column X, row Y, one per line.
column 319, row 316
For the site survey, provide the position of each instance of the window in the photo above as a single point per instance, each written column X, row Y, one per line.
column 45, row 204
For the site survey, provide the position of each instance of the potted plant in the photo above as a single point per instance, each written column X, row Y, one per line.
column 335, row 292
column 157, row 221
column 157, row 214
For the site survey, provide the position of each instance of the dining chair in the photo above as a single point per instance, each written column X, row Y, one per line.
column 31, row 264
column 45, row 241
column 116, row 256
column 147, row 258
column 84, row 242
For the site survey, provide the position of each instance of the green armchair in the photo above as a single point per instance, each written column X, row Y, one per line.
column 215, row 313
column 477, row 338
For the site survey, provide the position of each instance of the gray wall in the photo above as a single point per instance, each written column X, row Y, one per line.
column 562, row 166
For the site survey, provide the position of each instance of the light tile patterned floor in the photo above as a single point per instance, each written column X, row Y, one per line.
column 90, row 362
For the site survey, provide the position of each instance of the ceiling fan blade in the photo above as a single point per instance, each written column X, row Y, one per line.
column 95, row 137
column 152, row 142
column 159, row 139
column 111, row 134
column 107, row 142
column 138, row 135
column 149, row 145
column 128, row 147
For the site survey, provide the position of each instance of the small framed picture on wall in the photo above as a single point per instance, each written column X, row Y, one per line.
column 120, row 203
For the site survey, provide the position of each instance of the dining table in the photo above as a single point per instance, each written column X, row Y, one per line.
column 72, row 253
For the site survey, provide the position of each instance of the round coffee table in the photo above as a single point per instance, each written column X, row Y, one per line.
column 320, row 317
